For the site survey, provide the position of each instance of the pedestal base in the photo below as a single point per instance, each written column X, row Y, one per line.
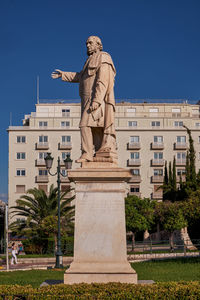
column 100, row 235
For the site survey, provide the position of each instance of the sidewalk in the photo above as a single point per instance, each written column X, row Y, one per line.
column 43, row 263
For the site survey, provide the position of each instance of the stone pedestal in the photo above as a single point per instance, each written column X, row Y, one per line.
column 100, row 236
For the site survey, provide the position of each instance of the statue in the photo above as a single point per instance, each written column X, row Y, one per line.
column 96, row 82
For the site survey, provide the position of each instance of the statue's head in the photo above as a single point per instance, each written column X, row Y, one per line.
column 93, row 44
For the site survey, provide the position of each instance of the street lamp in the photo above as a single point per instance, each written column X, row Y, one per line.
column 68, row 165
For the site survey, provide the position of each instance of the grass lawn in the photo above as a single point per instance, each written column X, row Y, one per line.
column 167, row 270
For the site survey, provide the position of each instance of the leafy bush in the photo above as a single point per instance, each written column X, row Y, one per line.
column 172, row 290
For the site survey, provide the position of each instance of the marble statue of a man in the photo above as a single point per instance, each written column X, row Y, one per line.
column 96, row 82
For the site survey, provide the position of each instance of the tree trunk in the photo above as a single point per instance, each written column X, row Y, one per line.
column 158, row 232
column 171, row 241
column 133, row 241
column 186, row 239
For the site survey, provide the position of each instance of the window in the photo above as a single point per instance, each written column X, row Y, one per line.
column 43, row 139
column 135, row 155
column 199, row 139
column 131, row 110
column 195, row 112
column 21, row 172
column 64, row 172
column 135, row 189
column 43, row 124
column 43, row 187
column 197, row 124
column 134, row 139
column 132, row 123
column 64, row 155
column 158, row 172
column 135, row 172
column 21, row 139
column 66, row 112
column 42, row 172
column 64, row 188
column 155, row 123
column 20, row 188
column 158, row 155
column 66, row 139
column 181, row 139
column 153, row 110
column 181, row 155
column 158, row 139
column 65, row 124
column 21, row 155
column 178, row 123
column 176, row 112
column 42, row 155
column 180, row 172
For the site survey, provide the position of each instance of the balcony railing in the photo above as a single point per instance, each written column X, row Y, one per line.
column 40, row 162
column 157, row 195
column 138, row 194
column 42, row 146
column 134, row 162
column 41, row 178
column 157, row 179
column 65, row 146
column 133, row 145
column 181, row 162
column 135, row 178
column 64, row 179
column 178, row 177
column 180, row 146
column 157, row 162
column 157, row 146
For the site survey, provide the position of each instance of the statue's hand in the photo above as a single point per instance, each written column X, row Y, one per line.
column 56, row 74
column 94, row 106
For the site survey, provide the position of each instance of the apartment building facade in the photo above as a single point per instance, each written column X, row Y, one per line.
column 148, row 134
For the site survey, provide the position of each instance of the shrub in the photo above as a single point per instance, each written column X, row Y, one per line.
column 171, row 290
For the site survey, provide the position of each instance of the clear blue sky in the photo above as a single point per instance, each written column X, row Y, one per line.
column 155, row 45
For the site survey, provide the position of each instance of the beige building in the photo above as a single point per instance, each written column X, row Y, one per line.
column 147, row 135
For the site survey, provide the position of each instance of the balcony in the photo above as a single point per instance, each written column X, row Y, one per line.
column 64, row 179
column 180, row 146
column 40, row 163
column 157, row 179
column 138, row 194
column 180, row 162
column 157, row 195
column 157, row 162
column 133, row 146
column 41, row 179
column 178, row 177
column 134, row 162
column 42, row 146
column 65, row 146
column 157, row 146
column 135, row 178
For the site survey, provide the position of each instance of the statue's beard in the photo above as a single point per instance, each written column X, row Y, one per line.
column 91, row 52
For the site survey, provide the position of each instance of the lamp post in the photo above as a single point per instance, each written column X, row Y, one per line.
column 68, row 165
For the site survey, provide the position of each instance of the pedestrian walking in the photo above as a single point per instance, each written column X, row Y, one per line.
column 14, row 254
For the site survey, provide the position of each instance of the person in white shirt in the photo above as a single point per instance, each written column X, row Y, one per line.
column 14, row 254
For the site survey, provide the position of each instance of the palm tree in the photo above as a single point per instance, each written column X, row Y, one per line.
column 39, row 212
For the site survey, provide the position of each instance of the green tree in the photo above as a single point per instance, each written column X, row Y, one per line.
column 139, row 215
column 171, row 217
column 39, row 212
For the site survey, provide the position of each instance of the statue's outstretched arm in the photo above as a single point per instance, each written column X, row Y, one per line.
column 66, row 76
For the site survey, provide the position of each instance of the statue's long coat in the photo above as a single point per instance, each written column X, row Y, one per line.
column 96, row 82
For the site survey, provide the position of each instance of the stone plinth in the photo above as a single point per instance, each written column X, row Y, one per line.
column 100, row 235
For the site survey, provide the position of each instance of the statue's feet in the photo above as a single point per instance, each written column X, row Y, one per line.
column 83, row 159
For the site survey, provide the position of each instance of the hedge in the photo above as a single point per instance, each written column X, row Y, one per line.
column 172, row 290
